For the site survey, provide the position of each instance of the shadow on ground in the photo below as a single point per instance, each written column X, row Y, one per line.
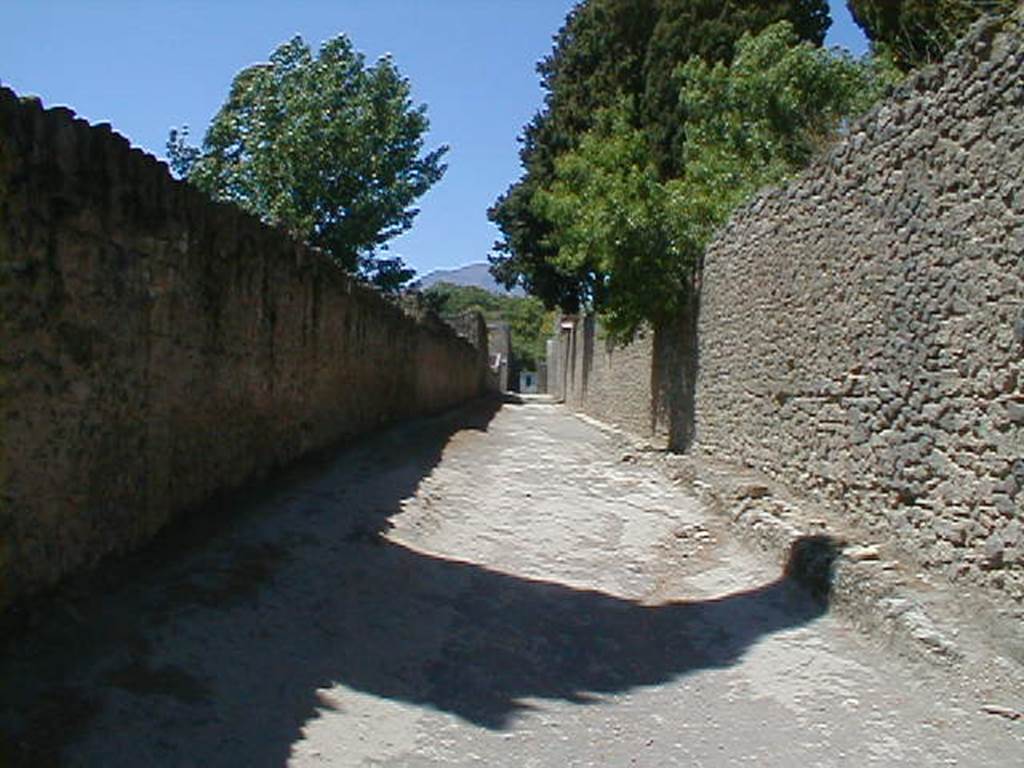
column 227, row 650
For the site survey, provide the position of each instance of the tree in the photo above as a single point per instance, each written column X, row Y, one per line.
column 324, row 146
column 525, row 256
column 610, row 53
column 919, row 32
column 633, row 239
column 181, row 155
column 710, row 31
column 779, row 101
column 598, row 55
column 611, row 224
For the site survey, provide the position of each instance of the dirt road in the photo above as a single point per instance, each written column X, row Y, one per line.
column 498, row 586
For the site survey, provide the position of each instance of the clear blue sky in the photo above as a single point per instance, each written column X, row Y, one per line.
column 147, row 65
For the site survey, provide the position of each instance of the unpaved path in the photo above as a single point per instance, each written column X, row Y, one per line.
column 492, row 587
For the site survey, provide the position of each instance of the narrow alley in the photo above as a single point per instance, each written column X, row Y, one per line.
column 492, row 587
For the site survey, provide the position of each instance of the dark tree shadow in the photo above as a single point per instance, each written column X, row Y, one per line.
column 314, row 595
column 512, row 639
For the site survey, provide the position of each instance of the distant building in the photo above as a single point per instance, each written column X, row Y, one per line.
column 499, row 344
column 528, row 382
column 560, row 354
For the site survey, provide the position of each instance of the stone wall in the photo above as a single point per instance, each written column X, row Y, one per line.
column 861, row 330
column 472, row 327
column 604, row 381
column 157, row 348
column 499, row 345
column 645, row 387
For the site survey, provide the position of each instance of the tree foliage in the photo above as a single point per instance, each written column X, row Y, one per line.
column 710, row 31
column 323, row 145
column 633, row 238
column 919, row 32
column 617, row 56
column 611, row 223
column 778, row 102
column 181, row 155
column 610, row 49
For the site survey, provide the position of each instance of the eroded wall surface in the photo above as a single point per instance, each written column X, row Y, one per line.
column 862, row 329
column 610, row 382
column 156, row 348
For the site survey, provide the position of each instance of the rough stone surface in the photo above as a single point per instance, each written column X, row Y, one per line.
column 157, row 348
column 600, row 379
column 861, row 329
column 472, row 327
column 645, row 387
column 857, row 327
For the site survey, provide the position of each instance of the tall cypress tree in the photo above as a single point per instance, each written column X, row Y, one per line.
column 615, row 54
column 708, row 29
column 918, row 32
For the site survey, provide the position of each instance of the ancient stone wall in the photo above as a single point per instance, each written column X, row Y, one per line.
column 645, row 387
column 156, row 348
column 472, row 327
column 861, row 330
column 611, row 383
column 499, row 346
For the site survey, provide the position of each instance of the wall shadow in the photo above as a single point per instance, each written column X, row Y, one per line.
column 675, row 365
column 589, row 328
column 297, row 599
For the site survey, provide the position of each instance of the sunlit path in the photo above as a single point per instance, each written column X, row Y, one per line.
column 493, row 587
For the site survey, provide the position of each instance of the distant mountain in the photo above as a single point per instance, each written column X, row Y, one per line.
column 477, row 275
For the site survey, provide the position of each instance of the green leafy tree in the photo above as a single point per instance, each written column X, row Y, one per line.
column 918, row 32
column 598, row 55
column 710, row 31
column 611, row 224
column 323, row 145
column 779, row 102
column 636, row 239
column 610, row 53
column 525, row 256
column 181, row 155
column 531, row 326
column 756, row 122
